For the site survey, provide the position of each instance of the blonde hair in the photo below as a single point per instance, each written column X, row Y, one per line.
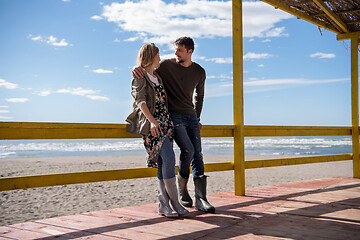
column 146, row 55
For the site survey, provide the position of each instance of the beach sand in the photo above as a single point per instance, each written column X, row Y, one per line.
column 39, row 203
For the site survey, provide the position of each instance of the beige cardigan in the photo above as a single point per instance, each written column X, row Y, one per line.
column 141, row 90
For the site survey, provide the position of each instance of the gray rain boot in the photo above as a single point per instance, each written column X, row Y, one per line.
column 164, row 206
column 201, row 203
column 171, row 189
column 184, row 196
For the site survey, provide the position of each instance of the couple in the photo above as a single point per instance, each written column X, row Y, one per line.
column 163, row 110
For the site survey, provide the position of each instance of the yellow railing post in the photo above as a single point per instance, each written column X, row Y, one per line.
column 238, row 104
column 355, row 105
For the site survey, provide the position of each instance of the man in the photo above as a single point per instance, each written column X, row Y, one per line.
column 181, row 77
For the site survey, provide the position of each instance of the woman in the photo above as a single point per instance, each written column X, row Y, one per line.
column 150, row 119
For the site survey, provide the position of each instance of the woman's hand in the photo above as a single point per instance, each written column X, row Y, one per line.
column 155, row 128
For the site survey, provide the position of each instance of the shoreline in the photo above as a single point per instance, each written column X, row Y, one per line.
column 39, row 203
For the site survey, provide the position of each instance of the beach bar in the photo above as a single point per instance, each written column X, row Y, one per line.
column 339, row 16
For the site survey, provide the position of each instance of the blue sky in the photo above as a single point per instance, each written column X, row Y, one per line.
column 71, row 61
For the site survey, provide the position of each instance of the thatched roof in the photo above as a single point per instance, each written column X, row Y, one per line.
column 339, row 16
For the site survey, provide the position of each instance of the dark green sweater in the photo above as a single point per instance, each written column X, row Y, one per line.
column 180, row 83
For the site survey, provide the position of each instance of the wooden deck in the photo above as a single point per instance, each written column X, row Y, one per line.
column 316, row 209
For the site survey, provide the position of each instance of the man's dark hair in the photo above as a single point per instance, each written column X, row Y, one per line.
column 186, row 41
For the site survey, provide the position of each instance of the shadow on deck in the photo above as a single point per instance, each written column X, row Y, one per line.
column 315, row 209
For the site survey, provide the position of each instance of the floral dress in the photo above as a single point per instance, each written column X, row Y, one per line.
column 153, row 144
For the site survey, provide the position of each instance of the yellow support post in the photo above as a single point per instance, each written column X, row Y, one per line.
column 239, row 156
column 355, row 105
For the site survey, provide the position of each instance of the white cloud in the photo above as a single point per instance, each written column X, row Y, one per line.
column 51, row 40
column 76, row 91
column 167, row 56
column 89, row 93
column 96, row 17
column 17, row 100
column 100, row 98
column 116, row 40
column 38, row 38
column 100, row 71
column 248, row 56
column 322, row 55
column 261, row 65
column 255, row 85
column 251, row 55
column 83, row 92
column 132, row 39
column 292, row 81
column 221, row 77
column 4, row 111
column 276, row 32
column 219, row 89
column 196, row 18
column 66, row 0
column 217, row 60
column 5, row 117
column 44, row 93
column 4, row 106
column 8, row 85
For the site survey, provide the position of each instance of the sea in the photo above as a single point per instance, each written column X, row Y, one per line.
column 314, row 145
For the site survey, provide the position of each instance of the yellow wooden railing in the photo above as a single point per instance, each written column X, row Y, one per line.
column 32, row 130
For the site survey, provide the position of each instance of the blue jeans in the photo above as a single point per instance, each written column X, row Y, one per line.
column 166, row 161
column 187, row 137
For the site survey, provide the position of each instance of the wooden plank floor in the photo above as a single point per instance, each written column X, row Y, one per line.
column 316, row 209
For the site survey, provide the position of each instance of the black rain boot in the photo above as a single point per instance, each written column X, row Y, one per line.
column 184, row 196
column 201, row 202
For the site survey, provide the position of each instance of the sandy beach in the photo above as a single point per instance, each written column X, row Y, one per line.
column 39, row 203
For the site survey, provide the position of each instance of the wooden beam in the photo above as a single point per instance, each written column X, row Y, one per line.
column 355, row 105
column 348, row 36
column 337, row 12
column 33, row 130
column 296, row 161
column 44, row 130
column 217, row 131
column 331, row 14
column 39, row 130
column 238, row 98
column 24, row 182
column 279, row 131
column 301, row 15
column 13, row 183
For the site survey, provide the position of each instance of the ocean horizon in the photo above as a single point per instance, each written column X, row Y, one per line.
column 313, row 145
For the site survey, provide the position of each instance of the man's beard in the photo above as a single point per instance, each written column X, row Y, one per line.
column 179, row 60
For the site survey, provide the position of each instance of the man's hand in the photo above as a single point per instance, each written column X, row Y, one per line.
column 200, row 125
column 138, row 72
